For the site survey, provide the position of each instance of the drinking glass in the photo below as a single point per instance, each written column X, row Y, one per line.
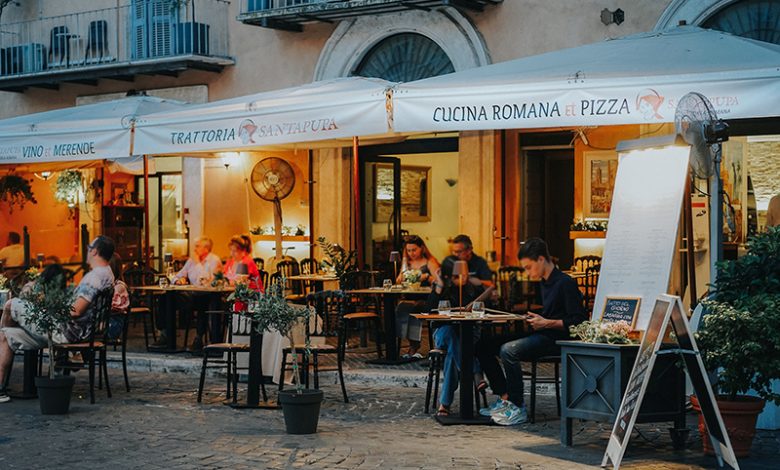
column 387, row 284
column 478, row 308
column 444, row 307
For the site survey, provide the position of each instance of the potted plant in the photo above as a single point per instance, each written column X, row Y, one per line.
column 16, row 191
column 67, row 187
column 49, row 306
column 412, row 278
column 739, row 338
column 270, row 311
column 337, row 259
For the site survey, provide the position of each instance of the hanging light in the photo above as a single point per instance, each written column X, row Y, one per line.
column 44, row 175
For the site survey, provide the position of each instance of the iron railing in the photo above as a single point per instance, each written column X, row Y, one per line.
column 139, row 31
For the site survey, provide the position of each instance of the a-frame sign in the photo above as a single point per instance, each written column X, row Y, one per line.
column 668, row 312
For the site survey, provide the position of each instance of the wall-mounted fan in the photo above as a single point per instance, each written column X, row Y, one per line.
column 273, row 179
column 696, row 122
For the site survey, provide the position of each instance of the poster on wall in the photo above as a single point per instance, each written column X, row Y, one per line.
column 599, row 183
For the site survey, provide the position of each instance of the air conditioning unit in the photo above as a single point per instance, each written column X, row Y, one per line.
column 153, row 28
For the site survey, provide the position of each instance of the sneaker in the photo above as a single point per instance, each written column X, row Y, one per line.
column 4, row 398
column 497, row 407
column 511, row 416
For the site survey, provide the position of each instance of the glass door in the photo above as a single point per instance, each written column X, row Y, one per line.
column 381, row 190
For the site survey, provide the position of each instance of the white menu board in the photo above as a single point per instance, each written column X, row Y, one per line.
column 643, row 224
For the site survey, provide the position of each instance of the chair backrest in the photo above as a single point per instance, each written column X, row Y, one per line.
column 264, row 278
column 100, row 308
column 274, row 279
column 581, row 263
column 329, row 306
column 309, row 266
column 507, row 283
column 97, row 38
column 591, row 282
column 137, row 276
column 290, row 268
column 58, row 42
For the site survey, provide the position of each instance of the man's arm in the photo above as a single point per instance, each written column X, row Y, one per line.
column 79, row 307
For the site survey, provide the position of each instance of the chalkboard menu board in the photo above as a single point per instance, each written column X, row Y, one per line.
column 621, row 308
column 667, row 312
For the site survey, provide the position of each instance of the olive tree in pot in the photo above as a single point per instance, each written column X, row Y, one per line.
column 740, row 338
column 270, row 311
column 49, row 306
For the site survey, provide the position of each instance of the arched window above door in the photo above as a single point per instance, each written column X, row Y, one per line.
column 404, row 57
column 754, row 19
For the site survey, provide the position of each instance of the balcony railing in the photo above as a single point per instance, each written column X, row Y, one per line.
column 141, row 37
column 292, row 14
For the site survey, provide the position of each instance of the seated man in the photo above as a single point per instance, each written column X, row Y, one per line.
column 562, row 308
column 12, row 255
column 16, row 334
column 199, row 269
column 446, row 337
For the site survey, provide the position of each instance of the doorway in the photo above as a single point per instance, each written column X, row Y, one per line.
column 548, row 195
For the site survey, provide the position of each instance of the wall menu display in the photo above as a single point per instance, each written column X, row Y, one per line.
column 621, row 308
column 643, row 221
column 667, row 312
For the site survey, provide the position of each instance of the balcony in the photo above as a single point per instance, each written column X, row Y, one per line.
column 291, row 15
column 146, row 37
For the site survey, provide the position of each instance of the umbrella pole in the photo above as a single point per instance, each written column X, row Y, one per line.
column 312, row 241
column 356, row 192
column 146, row 212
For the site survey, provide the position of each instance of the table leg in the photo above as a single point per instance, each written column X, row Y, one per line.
column 566, row 435
column 391, row 340
column 255, row 375
column 170, row 321
column 466, row 393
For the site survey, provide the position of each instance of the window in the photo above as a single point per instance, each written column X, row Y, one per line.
column 754, row 19
column 404, row 58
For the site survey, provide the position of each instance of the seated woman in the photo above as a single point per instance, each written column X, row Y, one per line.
column 240, row 247
column 416, row 257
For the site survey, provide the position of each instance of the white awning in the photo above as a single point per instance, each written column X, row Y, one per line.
column 637, row 79
column 81, row 133
column 315, row 112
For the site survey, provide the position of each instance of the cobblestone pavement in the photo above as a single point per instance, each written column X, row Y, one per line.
column 160, row 425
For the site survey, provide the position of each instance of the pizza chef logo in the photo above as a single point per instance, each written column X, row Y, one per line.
column 648, row 103
column 246, row 130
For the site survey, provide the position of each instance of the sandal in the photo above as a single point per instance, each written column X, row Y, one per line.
column 443, row 411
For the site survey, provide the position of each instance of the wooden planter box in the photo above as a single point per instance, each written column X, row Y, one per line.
column 595, row 376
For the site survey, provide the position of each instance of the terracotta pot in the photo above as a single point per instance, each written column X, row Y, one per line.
column 739, row 417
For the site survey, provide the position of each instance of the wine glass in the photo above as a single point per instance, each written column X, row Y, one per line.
column 444, row 307
column 478, row 308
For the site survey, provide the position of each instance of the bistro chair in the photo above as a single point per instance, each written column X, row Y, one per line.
column 288, row 268
column 506, row 282
column 93, row 348
column 240, row 326
column 309, row 266
column 362, row 309
column 435, row 364
column 329, row 307
column 260, row 263
column 142, row 304
column 118, row 318
column 59, row 45
column 264, row 278
column 555, row 360
column 97, row 40
column 591, row 282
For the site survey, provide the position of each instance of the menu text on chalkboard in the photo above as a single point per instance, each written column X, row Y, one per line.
column 621, row 308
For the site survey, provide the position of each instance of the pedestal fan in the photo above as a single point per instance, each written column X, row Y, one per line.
column 273, row 179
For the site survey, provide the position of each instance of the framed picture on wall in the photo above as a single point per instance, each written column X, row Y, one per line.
column 415, row 193
column 598, row 182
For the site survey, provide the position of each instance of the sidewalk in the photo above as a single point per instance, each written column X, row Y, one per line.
column 160, row 425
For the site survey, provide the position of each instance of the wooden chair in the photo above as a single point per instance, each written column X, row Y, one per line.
column 330, row 307
column 264, row 278
column 591, row 282
column 362, row 309
column 239, row 326
column 100, row 309
column 260, row 263
column 142, row 305
column 581, row 263
column 288, row 268
column 435, row 363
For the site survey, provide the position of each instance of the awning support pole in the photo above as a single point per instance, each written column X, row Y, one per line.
column 147, row 253
column 356, row 192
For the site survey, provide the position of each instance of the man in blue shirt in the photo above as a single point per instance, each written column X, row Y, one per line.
column 562, row 308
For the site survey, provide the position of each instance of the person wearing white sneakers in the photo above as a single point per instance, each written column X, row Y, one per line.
column 562, row 308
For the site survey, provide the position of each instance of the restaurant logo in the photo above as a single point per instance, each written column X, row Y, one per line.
column 648, row 103
column 246, row 130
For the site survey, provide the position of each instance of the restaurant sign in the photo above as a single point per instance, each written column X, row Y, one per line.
column 44, row 147
column 522, row 106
